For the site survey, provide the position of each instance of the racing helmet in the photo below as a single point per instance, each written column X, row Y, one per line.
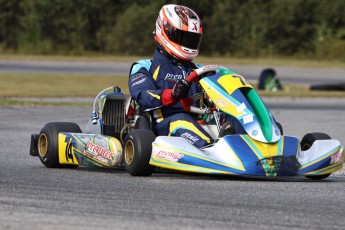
column 178, row 32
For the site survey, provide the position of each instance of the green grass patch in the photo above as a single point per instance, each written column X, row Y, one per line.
column 57, row 85
column 91, row 58
column 33, row 102
column 273, row 61
column 27, row 89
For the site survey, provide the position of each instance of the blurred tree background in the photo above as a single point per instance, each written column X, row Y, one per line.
column 311, row 29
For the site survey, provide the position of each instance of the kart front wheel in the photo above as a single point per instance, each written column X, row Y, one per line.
column 137, row 152
column 306, row 143
column 48, row 145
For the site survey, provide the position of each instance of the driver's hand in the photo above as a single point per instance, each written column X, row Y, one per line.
column 180, row 90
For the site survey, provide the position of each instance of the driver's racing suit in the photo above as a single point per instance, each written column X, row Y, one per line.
column 148, row 79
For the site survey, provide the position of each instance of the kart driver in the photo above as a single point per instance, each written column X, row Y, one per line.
column 157, row 85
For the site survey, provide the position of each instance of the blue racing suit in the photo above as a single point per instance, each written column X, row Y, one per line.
column 147, row 81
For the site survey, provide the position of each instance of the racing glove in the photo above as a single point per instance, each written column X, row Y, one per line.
column 171, row 96
column 180, row 90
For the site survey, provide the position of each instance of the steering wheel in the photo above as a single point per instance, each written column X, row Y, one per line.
column 195, row 77
column 196, row 74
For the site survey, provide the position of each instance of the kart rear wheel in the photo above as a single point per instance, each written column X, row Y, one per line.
column 48, row 146
column 307, row 142
column 137, row 152
column 143, row 122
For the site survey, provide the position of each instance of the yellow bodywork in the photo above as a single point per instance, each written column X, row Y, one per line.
column 230, row 83
column 66, row 152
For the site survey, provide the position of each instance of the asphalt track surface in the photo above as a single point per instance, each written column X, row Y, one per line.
column 309, row 76
column 34, row 197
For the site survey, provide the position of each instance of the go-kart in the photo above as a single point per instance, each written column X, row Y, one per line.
column 120, row 135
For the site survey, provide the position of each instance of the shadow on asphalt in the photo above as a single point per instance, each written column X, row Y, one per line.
column 171, row 174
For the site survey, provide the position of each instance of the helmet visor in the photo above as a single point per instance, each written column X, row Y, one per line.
column 187, row 39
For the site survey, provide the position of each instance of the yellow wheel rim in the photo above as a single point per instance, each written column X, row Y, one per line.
column 129, row 152
column 42, row 145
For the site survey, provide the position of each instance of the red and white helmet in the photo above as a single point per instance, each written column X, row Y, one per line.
column 178, row 32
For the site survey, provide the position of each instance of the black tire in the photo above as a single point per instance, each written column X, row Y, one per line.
column 137, row 152
column 268, row 77
column 142, row 123
column 48, row 145
column 306, row 143
column 329, row 87
column 318, row 177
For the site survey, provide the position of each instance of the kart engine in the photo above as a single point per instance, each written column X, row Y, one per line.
column 111, row 118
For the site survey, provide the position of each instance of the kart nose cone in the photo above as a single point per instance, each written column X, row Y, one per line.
column 279, row 165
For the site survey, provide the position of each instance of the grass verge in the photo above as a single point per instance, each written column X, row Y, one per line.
column 24, row 89
column 57, row 85
column 33, row 102
column 273, row 61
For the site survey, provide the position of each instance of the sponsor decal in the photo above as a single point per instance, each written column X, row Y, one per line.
column 170, row 14
column 335, row 158
column 97, row 152
column 184, row 13
column 194, row 26
column 174, row 77
column 241, row 108
column 99, row 158
column 255, row 132
column 170, row 156
column 248, row 119
column 69, row 152
column 271, row 164
column 189, row 137
column 136, row 76
column 205, row 67
column 139, row 82
column 277, row 132
column 163, row 39
column 222, row 103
